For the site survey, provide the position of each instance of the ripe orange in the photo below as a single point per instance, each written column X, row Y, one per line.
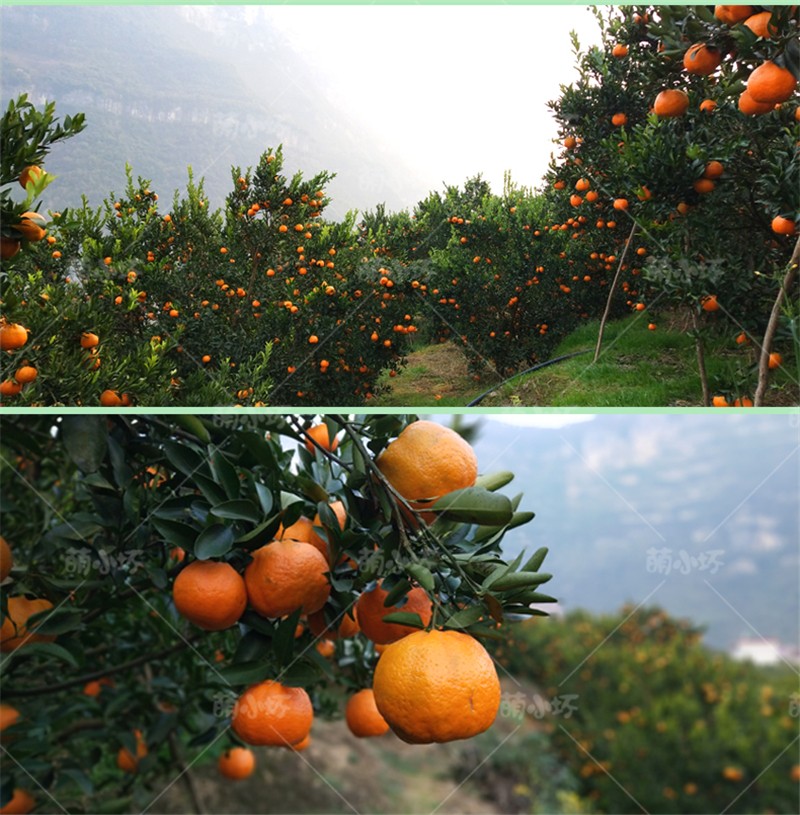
column 237, row 763
column 12, row 336
column 9, row 247
column 771, row 84
column 31, row 226
column 89, row 340
column 371, row 610
column 26, row 374
column 759, row 24
column 21, row 803
column 427, row 461
column 745, row 401
column 671, row 103
column 651, row 327
column 708, row 105
column 31, row 173
column 8, row 387
column 619, row 119
column 775, row 360
column 783, row 226
column 286, row 575
column 321, row 436
column 109, row 398
column 702, row 59
column 126, row 761
column 95, row 686
column 575, row 200
column 6, row 559
column 619, row 51
column 14, row 632
column 620, row 203
column 730, row 15
column 301, row 745
column 714, row 169
column 437, row 686
column 582, row 184
column 709, row 303
column 271, row 714
column 720, row 401
column 210, row 594
column 704, row 185
column 363, row 717
column 750, row 107
column 8, row 716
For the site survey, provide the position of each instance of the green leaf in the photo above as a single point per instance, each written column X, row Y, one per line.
column 397, row 592
column 175, row 532
column 405, row 618
column 422, row 575
column 264, row 498
column 191, row 424
column 56, row 621
column 224, row 473
column 465, row 617
column 253, row 646
column 212, row 492
column 475, row 505
column 518, row 580
column 494, row 481
column 245, row 673
column 183, row 458
column 214, row 541
column 262, row 534
column 78, row 777
column 301, row 674
column 86, row 441
column 48, row 649
column 238, row 510
column 536, row 560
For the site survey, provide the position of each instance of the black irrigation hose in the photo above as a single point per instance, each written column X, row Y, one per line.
column 553, row 361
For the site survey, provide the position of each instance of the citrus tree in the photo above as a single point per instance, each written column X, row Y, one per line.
column 178, row 589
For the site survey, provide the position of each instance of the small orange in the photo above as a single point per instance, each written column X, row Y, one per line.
column 14, row 632
column 286, row 575
column 31, row 173
column 26, row 374
column 319, row 433
column 437, row 686
column 237, row 763
column 109, row 398
column 708, row 105
column 702, row 59
column 363, row 717
column 620, row 203
column 326, row 648
column 709, row 303
column 6, row 559
column 619, row 119
column 671, row 103
column 210, row 594
column 775, row 361
column 8, row 387
column 269, row 713
column 783, row 226
column 714, row 169
column 126, row 761
column 704, row 186
column 8, row 716
column 371, row 611
column 89, row 340
column 720, row 401
column 619, row 51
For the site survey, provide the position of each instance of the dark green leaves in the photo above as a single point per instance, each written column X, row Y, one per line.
column 214, row 541
column 238, row 510
column 475, row 505
column 86, row 440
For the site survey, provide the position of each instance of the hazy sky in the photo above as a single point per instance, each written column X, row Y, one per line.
column 454, row 90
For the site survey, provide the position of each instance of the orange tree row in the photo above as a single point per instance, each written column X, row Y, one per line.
column 329, row 575
column 662, row 144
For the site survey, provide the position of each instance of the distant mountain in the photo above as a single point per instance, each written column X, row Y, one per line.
column 167, row 87
column 613, row 494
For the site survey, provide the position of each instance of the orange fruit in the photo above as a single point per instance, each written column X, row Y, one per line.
column 759, row 24
column 620, row 203
column 9, row 247
column 321, row 436
column 286, row 575
column 750, row 107
column 14, row 632
column 31, row 226
column 436, row 686
column 670, row 103
column 771, row 84
column 619, row 51
column 582, row 184
column 363, row 717
column 720, row 401
column 8, row 387
column 345, row 626
column 704, row 185
column 709, row 303
column 702, row 59
column 775, row 361
column 8, row 716
column 31, row 173
column 326, row 648
column 89, row 340
column 371, row 610
column 95, row 686
column 6, row 559
column 269, row 713
column 732, row 774
column 619, row 119
column 714, row 169
column 745, row 401
column 730, row 15
column 26, row 374
column 427, row 461
column 575, row 200
column 21, row 803
column 109, row 398
column 237, row 763
column 127, row 761
column 301, row 745
column 783, row 226
column 210, row 594
column 708, row 105
column 12, row 336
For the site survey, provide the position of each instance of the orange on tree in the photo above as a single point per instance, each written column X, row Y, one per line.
column 6, row 559
column 272, row 714
column 670, row 103
column 12, row 336
column 759, row 24
column 9, row 247
column 775, row 360
column 714, row 169
column 363, row 717
column 89, row 340
column 210, row 594
column 619, row 50
column 720, row 401
column 8, row 387
column 619, row 119
column 126, row 760
column 709, row 303
column 110, row 398
column 371, row 610
column 771, row 84
column 783, row 226
column 9, row 715
column 704, row 186
column 702, row 59
column 730, row 15
column 15, row 632
column 30, row 173
column 286, row 575
column 319, row 433
column 31, row 226
column 750, row 107
column 237, row 763
column 427, row 461
column 21, row 803
column 437, row 686
column 26, row 374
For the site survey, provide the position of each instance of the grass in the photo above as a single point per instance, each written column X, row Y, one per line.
column 637, row 368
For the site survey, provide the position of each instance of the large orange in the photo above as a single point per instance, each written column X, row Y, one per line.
column 12, row 336
column 237, row 763
column 21, row 803
column 272, row 714
column 286, row 575
column 209, row 594
column 750, row 107
column 31, row 226
column 6, row 559
column 702, row 59
column 671, row 102
column 771, row 84
column 783, row 226
column 363, row 717
column 14, row 632
column 437, row 686
column 427, row 461
column 730, row 15
column 126, row 760
column 371, row 610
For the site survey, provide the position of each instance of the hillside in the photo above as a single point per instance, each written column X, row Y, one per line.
column 163, row 90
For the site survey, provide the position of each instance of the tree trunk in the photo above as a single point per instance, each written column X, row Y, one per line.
column 701, row 358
